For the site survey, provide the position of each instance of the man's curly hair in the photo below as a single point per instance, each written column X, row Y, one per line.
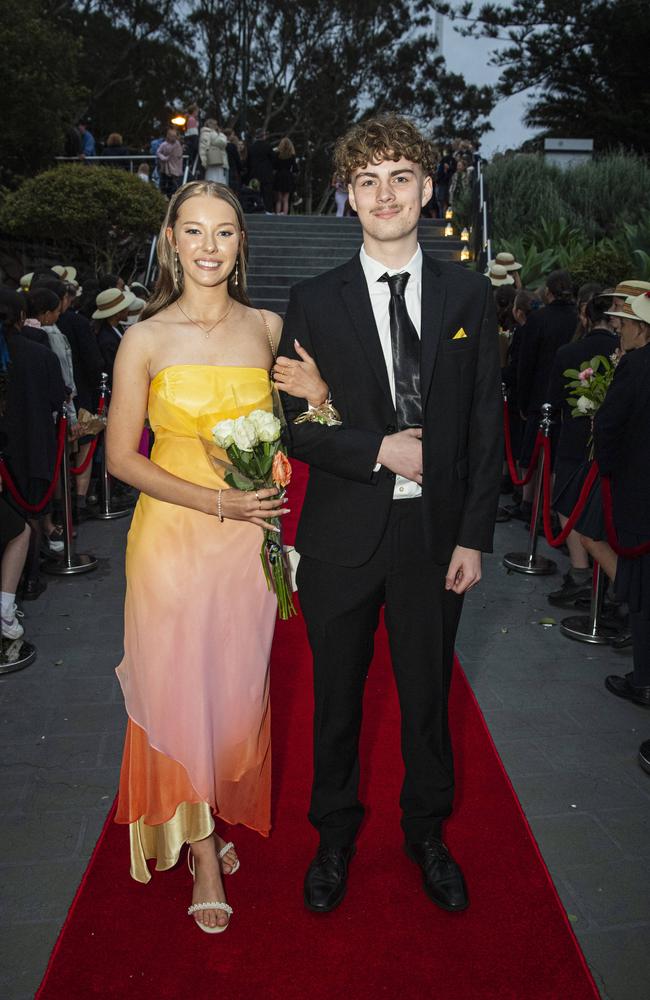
column 388, row 137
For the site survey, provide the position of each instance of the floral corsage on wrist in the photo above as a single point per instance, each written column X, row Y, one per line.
column 325, row 414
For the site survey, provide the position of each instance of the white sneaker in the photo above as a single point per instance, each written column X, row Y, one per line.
column 11, row 627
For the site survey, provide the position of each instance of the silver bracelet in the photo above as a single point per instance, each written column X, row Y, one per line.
column 219, row 506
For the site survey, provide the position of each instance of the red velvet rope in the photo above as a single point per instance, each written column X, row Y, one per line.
column 555, row 541
column 78, row 469
column 49, row 493
column 606, row 492
column 93, row 446
column 577, row 510
column 509, row 456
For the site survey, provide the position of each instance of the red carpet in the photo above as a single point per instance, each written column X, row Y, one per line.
column 126, row 940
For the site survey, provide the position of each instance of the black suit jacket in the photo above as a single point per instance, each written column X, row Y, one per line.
column 622, row 441
column 109, row 343
column 347, row 505
column 35, row 392
column 575, row 431
column 260, row 160
column 546, row 330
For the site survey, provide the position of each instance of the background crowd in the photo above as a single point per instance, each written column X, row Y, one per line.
column 261, row 172
column 264, row 172
column 56, row 340
column 551, row 339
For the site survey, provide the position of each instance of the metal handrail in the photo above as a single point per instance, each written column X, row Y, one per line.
column 146, row 157
column 482, row 244
column 151, row 263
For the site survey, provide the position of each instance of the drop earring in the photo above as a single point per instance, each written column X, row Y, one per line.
column 237, row 272
column 178, row 271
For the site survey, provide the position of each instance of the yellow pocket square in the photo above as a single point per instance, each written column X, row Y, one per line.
column 459, row 335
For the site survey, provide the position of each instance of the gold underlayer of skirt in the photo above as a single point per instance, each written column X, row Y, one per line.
column 192, row 821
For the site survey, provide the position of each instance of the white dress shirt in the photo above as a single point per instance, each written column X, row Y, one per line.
column 380, row 300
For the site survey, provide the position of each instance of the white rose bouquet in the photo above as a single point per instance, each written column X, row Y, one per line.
column 588, row 387
column 256, row 461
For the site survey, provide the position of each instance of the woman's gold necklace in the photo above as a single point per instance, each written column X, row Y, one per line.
column 206, row 333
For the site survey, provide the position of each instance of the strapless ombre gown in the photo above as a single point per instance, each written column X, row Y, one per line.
column 198, row 628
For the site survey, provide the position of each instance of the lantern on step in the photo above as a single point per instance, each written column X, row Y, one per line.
column 449, row 214
column 465, row 235
column 464, row 253
column 449, row 229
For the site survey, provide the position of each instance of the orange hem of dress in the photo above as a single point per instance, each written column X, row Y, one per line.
column 158, row 766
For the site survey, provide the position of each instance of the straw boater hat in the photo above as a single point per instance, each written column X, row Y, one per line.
column 112, row 301
column 508, row 261
column 135, row 309
column 498, row 275
column 67, row 273
column 138, row 288
column 26, row 281
column 635, row 307
column 626, row 289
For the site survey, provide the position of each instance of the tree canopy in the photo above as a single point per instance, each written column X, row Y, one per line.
column 39, row 86
column 306, row 69
column 584, row 62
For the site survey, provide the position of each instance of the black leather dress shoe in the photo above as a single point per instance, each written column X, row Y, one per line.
column 327, row 878
column 622, row 639
column 623, row 687
column 570, row 591
column 520, row 511
column 644, row 756
column 442, row 878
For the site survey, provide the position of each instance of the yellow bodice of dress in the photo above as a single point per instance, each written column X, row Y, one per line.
column 186, row 401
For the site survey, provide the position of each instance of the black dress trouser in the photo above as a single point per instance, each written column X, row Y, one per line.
column 341, row 606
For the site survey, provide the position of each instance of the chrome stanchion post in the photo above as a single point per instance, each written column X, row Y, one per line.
column 529, row 562
column 589, row 628
column 72, row 563
column 15, row 654
column 107, row 510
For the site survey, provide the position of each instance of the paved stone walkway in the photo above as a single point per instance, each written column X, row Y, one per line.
column 569, row 747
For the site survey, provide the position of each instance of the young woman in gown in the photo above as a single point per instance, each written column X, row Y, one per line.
column 199, row 619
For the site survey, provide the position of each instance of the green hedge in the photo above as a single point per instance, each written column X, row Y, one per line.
column 593, row 219
column 90, row 215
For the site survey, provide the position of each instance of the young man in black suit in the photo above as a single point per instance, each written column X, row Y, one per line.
column 401, row 498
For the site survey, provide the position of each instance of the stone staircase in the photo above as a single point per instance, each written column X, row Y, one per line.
column 287, row 249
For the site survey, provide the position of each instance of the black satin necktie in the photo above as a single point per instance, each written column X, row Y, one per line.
column 406, row 354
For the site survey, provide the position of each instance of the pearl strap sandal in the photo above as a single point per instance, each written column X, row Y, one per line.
column 212, row 905
column 221, row 855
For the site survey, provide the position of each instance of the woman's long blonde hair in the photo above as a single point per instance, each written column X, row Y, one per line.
column 169, row 285
column 286, row 148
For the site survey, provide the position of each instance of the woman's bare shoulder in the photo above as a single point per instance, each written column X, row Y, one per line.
column 148, row 330
column 273, row 319
column 139, row 337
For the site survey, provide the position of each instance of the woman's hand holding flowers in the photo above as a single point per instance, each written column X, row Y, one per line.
column 258, row 507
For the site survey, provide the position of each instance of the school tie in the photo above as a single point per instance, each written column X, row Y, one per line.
column 406, row 354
